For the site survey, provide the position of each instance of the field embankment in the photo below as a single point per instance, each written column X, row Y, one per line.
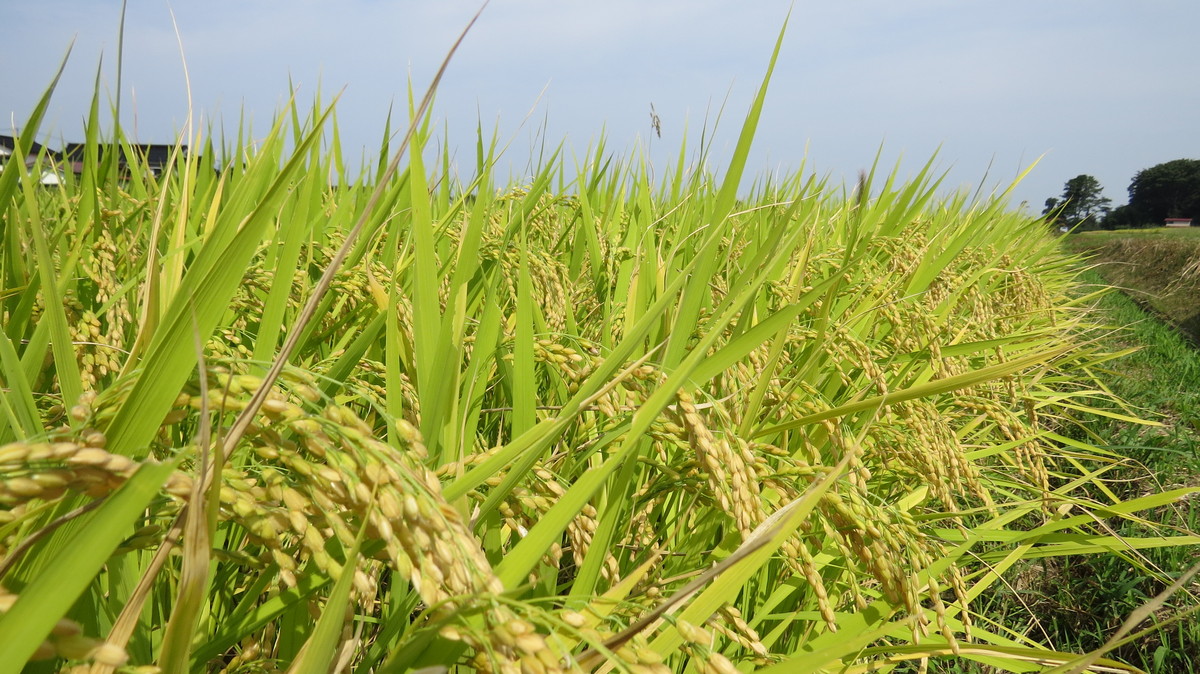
column 1081, row 601
column 1159, row 268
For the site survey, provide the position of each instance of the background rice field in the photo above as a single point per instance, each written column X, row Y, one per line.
column 260, row 415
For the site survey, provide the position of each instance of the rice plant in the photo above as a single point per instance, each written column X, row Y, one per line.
column 258, row 415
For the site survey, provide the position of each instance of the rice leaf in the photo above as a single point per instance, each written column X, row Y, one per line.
column 316, row 657
column 50, row 594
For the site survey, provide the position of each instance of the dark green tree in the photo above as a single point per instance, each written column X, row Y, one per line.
column 1122, row 217
column 1082, row 203
column 1167, row 190
column 1053, row 211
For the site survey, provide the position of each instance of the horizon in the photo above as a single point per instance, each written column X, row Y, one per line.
column 983, row 88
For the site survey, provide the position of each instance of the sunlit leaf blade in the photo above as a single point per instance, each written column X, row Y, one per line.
column 52, row 593
column 317, row 656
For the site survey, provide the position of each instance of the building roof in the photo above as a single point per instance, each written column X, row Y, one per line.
column 154, row 156
column 10, row 143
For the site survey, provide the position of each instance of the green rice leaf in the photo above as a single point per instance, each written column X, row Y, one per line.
column 50, row 594
column 317, row 655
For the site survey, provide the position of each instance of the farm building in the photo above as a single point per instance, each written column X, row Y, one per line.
column 1178, row 222
column 8, row 147
column 154, row 157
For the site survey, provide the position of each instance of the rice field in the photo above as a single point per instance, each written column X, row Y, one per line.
column 264, row 413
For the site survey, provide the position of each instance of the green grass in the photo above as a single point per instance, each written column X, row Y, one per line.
column 1160, row 268
column 1080, row 601
column 1161, row 377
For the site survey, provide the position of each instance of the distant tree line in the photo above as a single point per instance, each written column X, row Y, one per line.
column 1167, row 190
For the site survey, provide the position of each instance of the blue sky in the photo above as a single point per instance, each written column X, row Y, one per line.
column 1104, row 87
